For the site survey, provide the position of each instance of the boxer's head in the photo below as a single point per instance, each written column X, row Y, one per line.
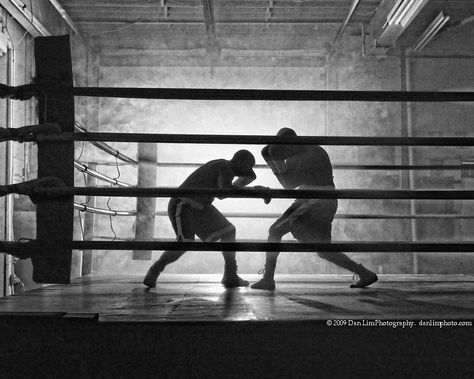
column 242, row 163
column 284, row 151
column 286, row 132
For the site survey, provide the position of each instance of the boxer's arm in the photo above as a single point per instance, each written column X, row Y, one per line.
column 276, row 165
column 290, row 174
column 243, row 181
column 224, row 180
column 275, row 158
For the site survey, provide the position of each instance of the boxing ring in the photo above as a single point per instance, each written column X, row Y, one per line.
column 194, row 311
column 51, row 251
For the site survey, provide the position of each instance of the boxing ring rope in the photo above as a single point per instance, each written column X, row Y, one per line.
column 462, row 166
column 369, row 247
column 299, row 247
column 102, row 211
column 86, row 170
column 363, row 216
column 346, row 166
column 270, row 95
column 344, row 215
column 261, row 139
column 104, row 147
column 255, row 193
column 98, row 175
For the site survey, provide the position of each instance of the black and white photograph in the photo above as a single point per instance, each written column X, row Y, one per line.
column 236, row 189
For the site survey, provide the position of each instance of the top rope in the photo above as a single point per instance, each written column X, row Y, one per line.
column 29, row 90
column 269, row 95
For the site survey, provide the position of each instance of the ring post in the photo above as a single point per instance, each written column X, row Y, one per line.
column 54, row 221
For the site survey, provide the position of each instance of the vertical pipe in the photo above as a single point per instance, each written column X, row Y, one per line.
column 80, row 253
column 87, row 256
column 326, row 103
column 362, row 31
column 92, row 118
column 405, row 177
column 9, row 173
column 326, row 122
column 414, row 232
column 408, row 179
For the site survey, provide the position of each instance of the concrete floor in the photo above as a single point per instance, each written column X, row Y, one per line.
column 298, row 297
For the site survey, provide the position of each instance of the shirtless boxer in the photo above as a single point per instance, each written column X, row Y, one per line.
column 309, row 220
column 195, row 215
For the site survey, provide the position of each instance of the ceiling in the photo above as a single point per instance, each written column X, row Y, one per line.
column 93, row 15
column 305, row 27
column 201, row 23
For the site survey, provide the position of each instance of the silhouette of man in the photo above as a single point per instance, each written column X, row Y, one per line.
column 195, row 215
column 309, row 220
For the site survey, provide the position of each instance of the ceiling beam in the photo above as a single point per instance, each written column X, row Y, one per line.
column 197, row 3
column 274, row 23
column 210, row 25
column 225, row 51
column 23, row 15
column 352, row 9
column 64, row 15
column 226, row 60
